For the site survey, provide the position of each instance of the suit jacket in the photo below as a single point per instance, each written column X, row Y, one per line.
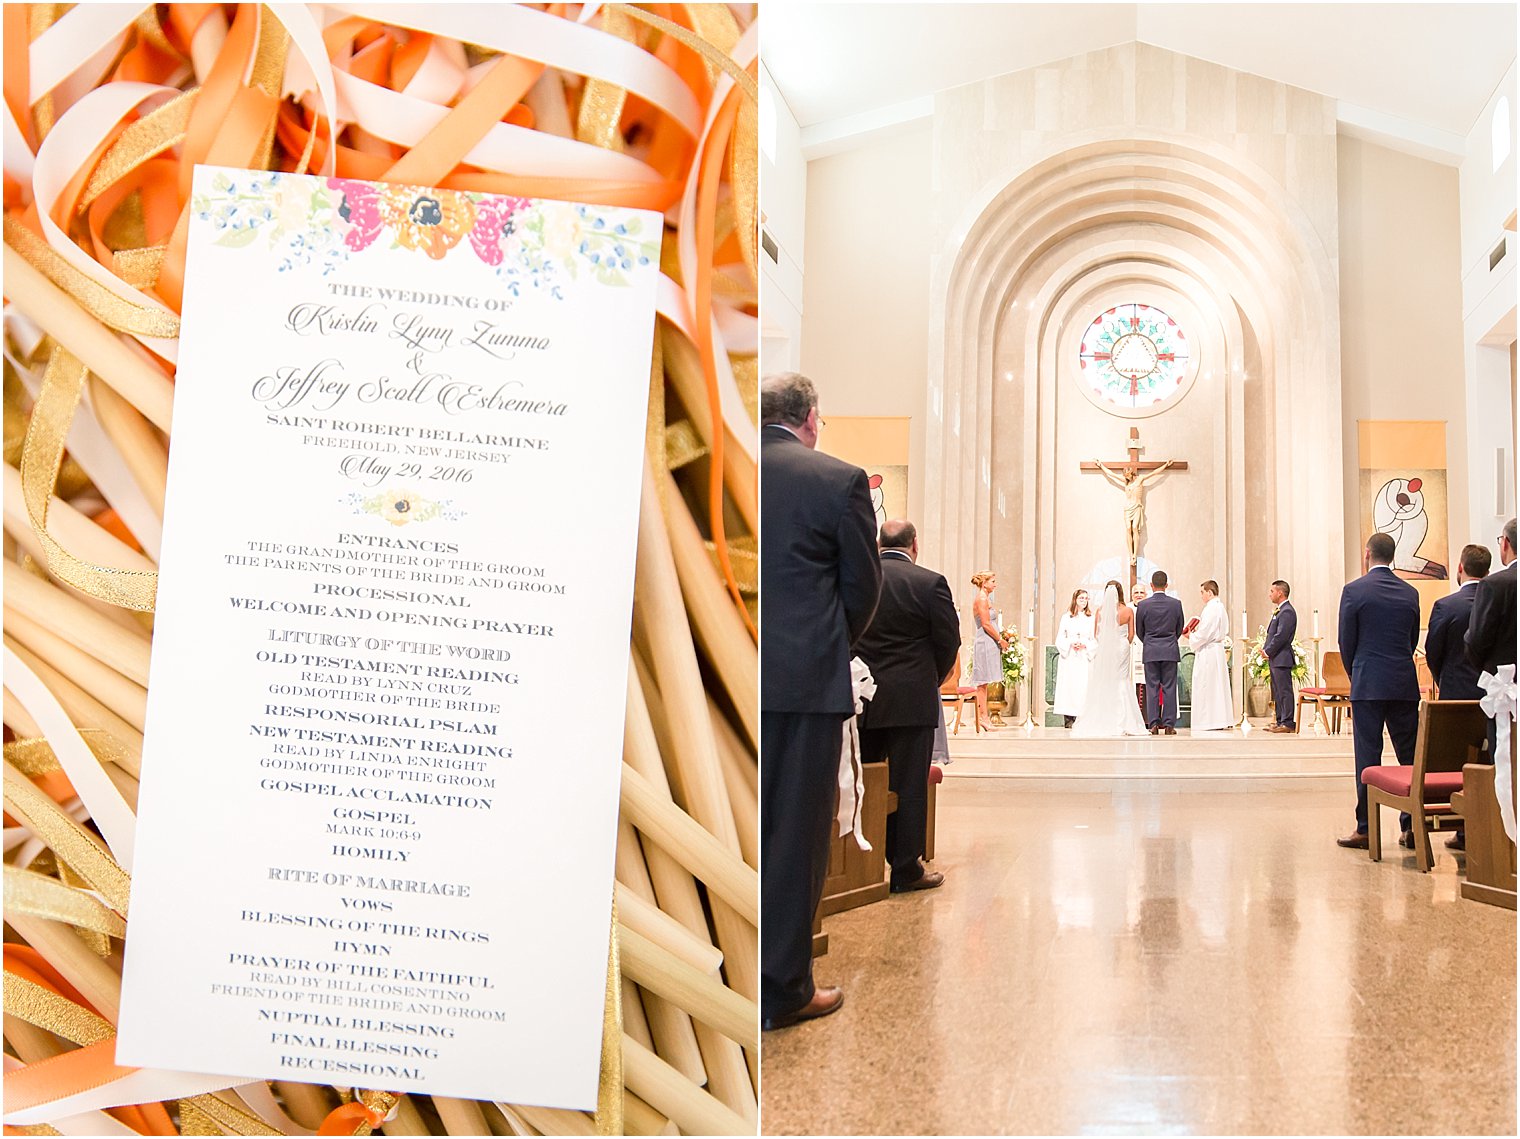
column 1444, row 651
column 910, row 645
column 1379, row 629
column 1158, row 624
column 1491, row 632
column 1278, row 644
column 819, row 574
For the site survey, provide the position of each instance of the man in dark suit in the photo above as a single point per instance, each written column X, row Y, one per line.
column 1455, row 676
column 1158, row 624
column 1491, row 630
column 1379, row 629
column 1277, row 647
column 911, row 644
column 819, row 578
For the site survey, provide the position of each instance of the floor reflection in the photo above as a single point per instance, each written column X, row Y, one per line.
column 1158, row 964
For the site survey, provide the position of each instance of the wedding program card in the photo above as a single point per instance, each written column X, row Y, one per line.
column 384, row 735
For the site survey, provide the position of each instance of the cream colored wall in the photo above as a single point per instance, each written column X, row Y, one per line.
column 866, row 292
column 1401, row 312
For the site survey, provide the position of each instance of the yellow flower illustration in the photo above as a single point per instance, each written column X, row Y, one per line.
column 401, row 507
column 432, row 222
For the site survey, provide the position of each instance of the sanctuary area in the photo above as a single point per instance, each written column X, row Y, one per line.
column 1184, row 337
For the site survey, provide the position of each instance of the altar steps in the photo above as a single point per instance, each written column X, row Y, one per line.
column 1049, row 759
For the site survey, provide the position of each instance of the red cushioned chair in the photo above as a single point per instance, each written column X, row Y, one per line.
column 1451, row 733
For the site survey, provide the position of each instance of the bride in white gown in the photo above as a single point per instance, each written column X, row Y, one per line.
column 1110, row 708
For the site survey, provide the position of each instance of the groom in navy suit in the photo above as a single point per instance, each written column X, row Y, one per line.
column 1278, row 649
column 1158, row 624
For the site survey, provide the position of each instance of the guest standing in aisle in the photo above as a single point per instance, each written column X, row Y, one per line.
column 911, row 644
column 819, row 580
column 1379, row 629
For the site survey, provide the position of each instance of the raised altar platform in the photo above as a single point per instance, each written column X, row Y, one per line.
column 1049, row 759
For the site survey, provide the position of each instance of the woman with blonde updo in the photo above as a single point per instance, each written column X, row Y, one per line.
column 987, row 645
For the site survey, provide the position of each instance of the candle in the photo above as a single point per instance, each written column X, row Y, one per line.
column 1245, row 630
column 1000, row 620
column 1029, row 629
column 1316, row 624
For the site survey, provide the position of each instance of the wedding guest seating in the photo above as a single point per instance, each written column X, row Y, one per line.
column 1333, row 693
column 1451, row 734
column 958, row 694
column 1490, row 852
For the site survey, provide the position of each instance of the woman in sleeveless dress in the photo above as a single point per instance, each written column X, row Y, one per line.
column 1110, row 709
column 987, row 645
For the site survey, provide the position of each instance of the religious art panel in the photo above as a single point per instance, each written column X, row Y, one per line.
column 879, row 445
column 1402, row 481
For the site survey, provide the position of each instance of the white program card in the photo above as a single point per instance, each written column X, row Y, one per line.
column 385, row 711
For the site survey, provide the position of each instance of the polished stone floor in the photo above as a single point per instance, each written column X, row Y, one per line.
column 1153, row 963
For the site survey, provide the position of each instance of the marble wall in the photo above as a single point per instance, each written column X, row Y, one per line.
column 1135, row 173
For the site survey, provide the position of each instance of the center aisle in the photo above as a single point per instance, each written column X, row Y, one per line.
column 1144, row 962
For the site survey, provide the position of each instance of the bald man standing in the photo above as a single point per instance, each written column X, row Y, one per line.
column 909, row 646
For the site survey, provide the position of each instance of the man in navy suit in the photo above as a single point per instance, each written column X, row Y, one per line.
column 1379, row 629
column 1456, row 677
column 1158, row 624
column 1278, row 649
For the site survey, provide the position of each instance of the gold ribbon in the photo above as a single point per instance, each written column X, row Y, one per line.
column 40, row 18
column 70, row 841
column 744, row 556
column 707, row 51
column 609, row 1089
column 194, row 1121
column 46, row 1009
column 747, row 376
column 104, row 305
column 599, row 118
column 268, row 75
column 32, row 756
column 43, row 452
column 682, row 444
column 745, row 158
column 229, row 1118
column 150, row 135
column 28, row 892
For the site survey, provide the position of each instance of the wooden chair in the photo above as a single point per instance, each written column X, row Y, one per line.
column 1333, row 693
column 1451, row 733
column 953, row 692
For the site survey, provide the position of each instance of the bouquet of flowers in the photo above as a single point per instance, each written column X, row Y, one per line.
column 1261, row 669
column 1013, row 660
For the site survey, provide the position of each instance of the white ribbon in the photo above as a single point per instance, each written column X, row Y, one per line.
column 1498, row 704
column 852, row 780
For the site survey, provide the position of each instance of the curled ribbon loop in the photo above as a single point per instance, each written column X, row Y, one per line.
column 1498, row 703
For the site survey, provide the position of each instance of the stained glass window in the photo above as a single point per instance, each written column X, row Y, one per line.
column 1133, row 356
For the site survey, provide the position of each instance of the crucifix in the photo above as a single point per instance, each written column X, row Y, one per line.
column 1130, row 476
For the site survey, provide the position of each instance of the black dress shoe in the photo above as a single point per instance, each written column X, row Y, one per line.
column 1357, row 841
column 824, row 1002
column 926, row 881
column 1155, row 730
column 1457, row 841
column 1406, row 840
column 1171, row 731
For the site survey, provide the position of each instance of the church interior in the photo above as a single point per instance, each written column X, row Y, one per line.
column 1096, row 290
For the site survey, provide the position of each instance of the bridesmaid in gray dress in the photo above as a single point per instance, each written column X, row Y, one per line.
column 987, row 645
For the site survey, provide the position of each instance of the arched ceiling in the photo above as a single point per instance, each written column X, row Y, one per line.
column 1425, row 68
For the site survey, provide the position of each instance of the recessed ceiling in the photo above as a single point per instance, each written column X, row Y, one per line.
column 1430, row 64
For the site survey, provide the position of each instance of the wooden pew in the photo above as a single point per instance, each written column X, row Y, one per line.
column 1490, row 853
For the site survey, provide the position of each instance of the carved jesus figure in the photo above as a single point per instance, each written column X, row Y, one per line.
column 1133, row 486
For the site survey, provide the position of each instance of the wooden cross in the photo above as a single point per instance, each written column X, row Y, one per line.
column 1136, row 474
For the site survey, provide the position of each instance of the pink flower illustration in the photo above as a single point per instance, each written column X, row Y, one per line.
column 360, row 208
column 493, row 221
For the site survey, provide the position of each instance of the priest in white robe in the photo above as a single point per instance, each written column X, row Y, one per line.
column 1077, row 646
column 1213, row 709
